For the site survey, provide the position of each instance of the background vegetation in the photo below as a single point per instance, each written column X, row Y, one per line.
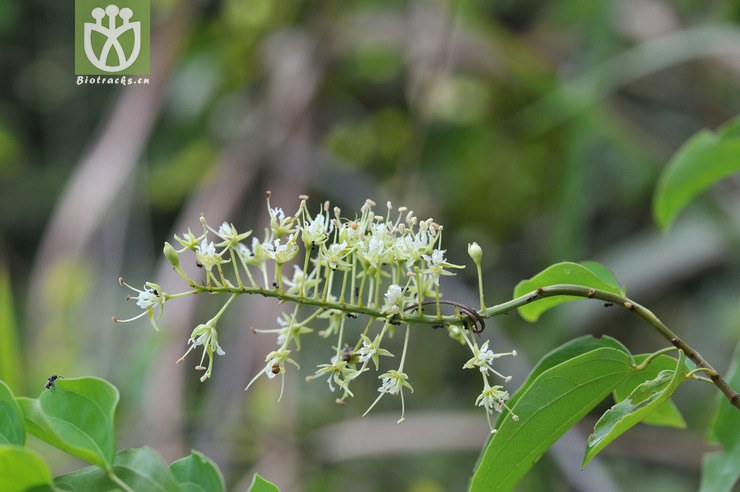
column 535, row 128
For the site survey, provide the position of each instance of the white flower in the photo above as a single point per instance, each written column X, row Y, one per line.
column 149, row 298
column 283, row 253
column 483, row 357
column 279, row 224
column 393, row 299
column 492, row 398
column 372, row 351
column 392, row 383
column 334, row 256
column 316, row 231
column 206, row 336
column 436, row 264
column 275, row 364
column 207, row 256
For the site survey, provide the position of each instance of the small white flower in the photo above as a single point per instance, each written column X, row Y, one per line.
column 280, row 224
column 393, row 299
column 283, row 252
column 482, row 359
column 492, row 398
column 372, row 351
column 207, row 256
column 149, row 298
column 334, row 256
column 392, row 383
column 315, row 232
column 204, row 335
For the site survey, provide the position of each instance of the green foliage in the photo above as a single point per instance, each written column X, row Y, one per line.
column 666, row 414
column 140, row 469
column 547, row 407
column 720, row 471
column 22, row 469
column 587, row 274
column 700, row 162
column 259, row 484
column 11, row 419
column 643, row 401
column 77, row 416
column 197, row 472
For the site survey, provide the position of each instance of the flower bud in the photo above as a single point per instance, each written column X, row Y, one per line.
column 475, row 252
column 171, row 255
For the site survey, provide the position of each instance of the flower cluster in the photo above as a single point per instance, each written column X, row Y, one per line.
column 385, row 267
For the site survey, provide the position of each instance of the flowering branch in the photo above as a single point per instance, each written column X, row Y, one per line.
column 376, row 266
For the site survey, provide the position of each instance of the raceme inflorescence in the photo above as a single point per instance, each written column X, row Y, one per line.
column 382, row 268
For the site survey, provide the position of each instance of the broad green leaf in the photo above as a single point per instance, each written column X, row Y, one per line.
column 726, row 422
column 141, row 469
column 589, row 274
column 76, row 416
column 259, row 484
column 197, row 473
column 647, row 397
column 563, row 353
column 11, row 419
column 554, row 402
column 700, row 162
column 11, row 367
column 720, row 471
column 667, row 414
column 22, row 469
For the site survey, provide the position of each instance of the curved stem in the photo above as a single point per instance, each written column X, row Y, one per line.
column 630, row 305
column 114, row 478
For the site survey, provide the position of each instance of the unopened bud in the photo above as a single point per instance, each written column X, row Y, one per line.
column 171, row 255
column 475, row 252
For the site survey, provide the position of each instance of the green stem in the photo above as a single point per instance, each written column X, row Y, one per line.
column 305, row 269
column 405, row 346
column 642, row 365
column 236, row 267
column 114, row 478
column 480, row 286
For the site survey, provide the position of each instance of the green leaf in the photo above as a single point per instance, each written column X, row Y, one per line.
column 720, row 471
column 11, row 367
column 11, row 419
column 549, row 406
column 726, row 422
column 140, row 469
column 639, row 404
column 259, row 484
column 667, row 414
column 197, row 473
column 700, row 162
column 588, row 274
column 22, row 469
column 563, row 353
column 76, row 416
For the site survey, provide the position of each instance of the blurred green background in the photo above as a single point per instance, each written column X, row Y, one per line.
column 537, row 129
